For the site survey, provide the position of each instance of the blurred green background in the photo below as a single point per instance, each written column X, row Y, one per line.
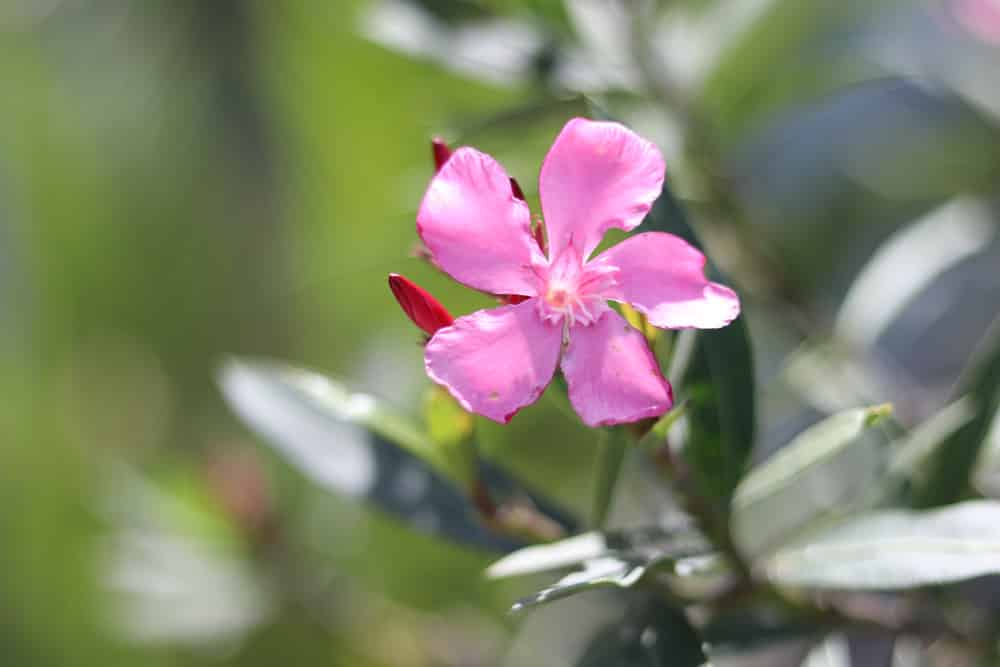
column 186, row 181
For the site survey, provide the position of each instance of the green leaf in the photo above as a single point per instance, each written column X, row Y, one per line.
column 276, row 385
column 613, row 560
column 450, row 429
column 606, row 572
column 635, row 544
column 353, row 445
column 718, row 382
column 825, row 468
column 894, row 549
column 651, row 634
column 755, row 627
column 949, row 472
column 719, row 387
column 911, row 454
column 545, row 557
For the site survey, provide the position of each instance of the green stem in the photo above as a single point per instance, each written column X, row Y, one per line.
column 610, row 456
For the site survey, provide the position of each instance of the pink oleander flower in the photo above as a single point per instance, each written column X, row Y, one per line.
column 597, row 176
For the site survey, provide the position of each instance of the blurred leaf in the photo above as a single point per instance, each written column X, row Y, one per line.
column 718, row 384
column 351, row 444
column 542, row 558
column 619, row 560
column 824, row 469
column 894, row 549
column 907, row 263
column 950, row 469
column 910, row 454
column 741, row 630
column 450, row 428
column 467, row 38
column 454, row 11
column 745, row 85
column 832, row 651
column 657, row 435
column 719, row 387
column 635, row 544
column 175, row 571
column 275, row 385
column 651, row 634
column 606, row 572
column 447, row 423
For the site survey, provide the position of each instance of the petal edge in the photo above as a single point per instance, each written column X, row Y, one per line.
column 597, row 175
column 613, row 376
column 495, row 362
column 476, row 229
column 663, row 277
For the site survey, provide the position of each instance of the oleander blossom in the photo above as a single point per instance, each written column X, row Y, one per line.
column 597, row 176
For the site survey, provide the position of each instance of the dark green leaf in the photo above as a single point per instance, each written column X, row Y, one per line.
column 894, row 549
column 747, row 629
column 718, row 384
column 827, row 467
column 353, row 445
column 651, row 634
column 950, row 469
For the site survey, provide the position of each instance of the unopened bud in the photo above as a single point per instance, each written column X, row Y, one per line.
column 423, row 309
column 441, row 152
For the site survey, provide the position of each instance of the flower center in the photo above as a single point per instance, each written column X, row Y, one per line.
column 558, row 296
column 573, row 292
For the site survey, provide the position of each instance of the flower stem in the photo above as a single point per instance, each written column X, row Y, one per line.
column 610, row 456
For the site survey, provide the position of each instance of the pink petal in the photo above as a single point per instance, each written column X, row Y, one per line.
column 663, row 276
column 495, row 362
column 613, row 377
column 477, row 231
column 597, row 175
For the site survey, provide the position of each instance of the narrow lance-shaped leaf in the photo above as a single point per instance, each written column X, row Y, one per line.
column 619, row 559
column 351, row 444
column 894, row 549
column 605, row 572
column 718, row 383
column 826, row 468
column 949, row 472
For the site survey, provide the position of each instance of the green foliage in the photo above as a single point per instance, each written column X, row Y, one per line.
column 650, row 634
column 949, row 472
column 610, row 560
column 353, row 445
column 894, row 549
column 193, row 182
column 830, row 467
column 721, row 413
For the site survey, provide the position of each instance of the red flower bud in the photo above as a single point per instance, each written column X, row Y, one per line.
column 441, row 152
column 423, row 310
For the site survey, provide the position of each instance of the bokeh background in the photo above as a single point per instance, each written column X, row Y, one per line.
column 187, row 181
